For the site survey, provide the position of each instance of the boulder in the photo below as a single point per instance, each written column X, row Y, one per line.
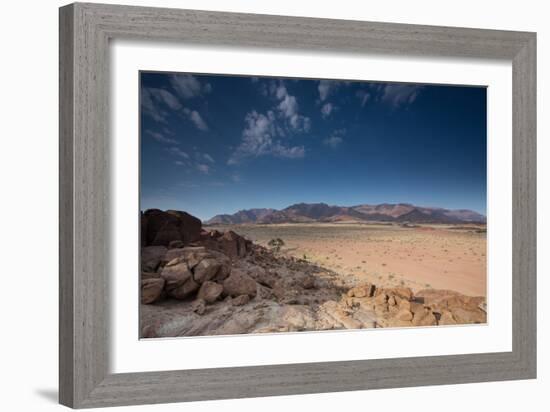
column 233, row 245
column 264, row 277
column 381, row 299
column 151, row 290
column 446, row 318
column 206, row 269
column 404, row 305
column 362, row 291
column 240, row 300
column 190, row 226
column 210, row 291
column 179, row 280
column 199, row 306
column 450, row 299
column 295, row 318
column 239, row 283
column 404, row 314
column 192, row 255
column 463, row 316
column 151, row 256
column 339, row 316
column 424, row 318
column 161, row 228
column 149, row 275
column 398, row 293
column 381, row 308
column 176, row 244
column 395, row 323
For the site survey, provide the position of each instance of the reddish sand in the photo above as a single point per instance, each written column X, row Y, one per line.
column 430, row 256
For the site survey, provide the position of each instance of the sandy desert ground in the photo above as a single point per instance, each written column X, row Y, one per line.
column 427, row 256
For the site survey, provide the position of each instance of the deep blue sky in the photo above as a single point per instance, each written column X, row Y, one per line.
column 218, row 144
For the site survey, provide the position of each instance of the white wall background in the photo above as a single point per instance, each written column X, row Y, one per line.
column 28, row 173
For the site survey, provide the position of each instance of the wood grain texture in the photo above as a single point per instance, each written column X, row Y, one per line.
column 85, row 31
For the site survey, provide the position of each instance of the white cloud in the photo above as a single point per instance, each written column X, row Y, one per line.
column 400, row 95
column 160, row 137
column 165, row 97
column 196, row 118
column 148, row 106
column 268, row 133
column 208, row 158
column 327, row 109
column 260, row 138
column 288, row 108
column 294, row 152
column 326, row 88
column 178, row 152
column 188, row 86
column 333, row 141
column 363, row 96
column 203, row 168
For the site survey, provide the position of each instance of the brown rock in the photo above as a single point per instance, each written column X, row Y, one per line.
column 447, row 318
column 338, row 314
column 395, row 323
column 149, row 275
column 307, row 282
column 404, row 314
column 179, row 280
column 362, row 291
column 151, row 257
column 205, row 270
column 239, row 283
column 381, row 299
column 424, row 318
column 391, row 301
column 192, row 255
column 223, row 273
column 199, row 306
column 399, row 293
column 265, row 277
column 233, row 245
column 240, row 300
column 151, row 290
column 449, row 299
column 416, row 307
column 381, row 308
column 463, row 316
column 263, row 292
column 404, row 304
column 176, row 244
column 165, row 227
column 210, row 291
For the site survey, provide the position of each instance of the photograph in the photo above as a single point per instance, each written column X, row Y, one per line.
column 276, row 204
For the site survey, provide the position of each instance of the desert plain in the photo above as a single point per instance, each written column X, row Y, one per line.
column 424, row 256
column 225, row 279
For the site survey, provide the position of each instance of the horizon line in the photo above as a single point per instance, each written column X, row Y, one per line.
column 336, row 205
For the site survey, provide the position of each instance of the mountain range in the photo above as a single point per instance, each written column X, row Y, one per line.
column 321, row 212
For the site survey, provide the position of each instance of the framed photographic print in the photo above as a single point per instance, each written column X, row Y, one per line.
column 304, row 205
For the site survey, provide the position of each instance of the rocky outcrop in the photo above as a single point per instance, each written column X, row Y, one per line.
column 160, row 228
column 151, row 289
column 239, row 283
column 220, row 283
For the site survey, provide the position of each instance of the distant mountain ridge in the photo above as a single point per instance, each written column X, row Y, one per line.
column 321, row 212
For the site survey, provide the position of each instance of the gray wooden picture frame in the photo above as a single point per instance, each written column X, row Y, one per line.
column 85, row 31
